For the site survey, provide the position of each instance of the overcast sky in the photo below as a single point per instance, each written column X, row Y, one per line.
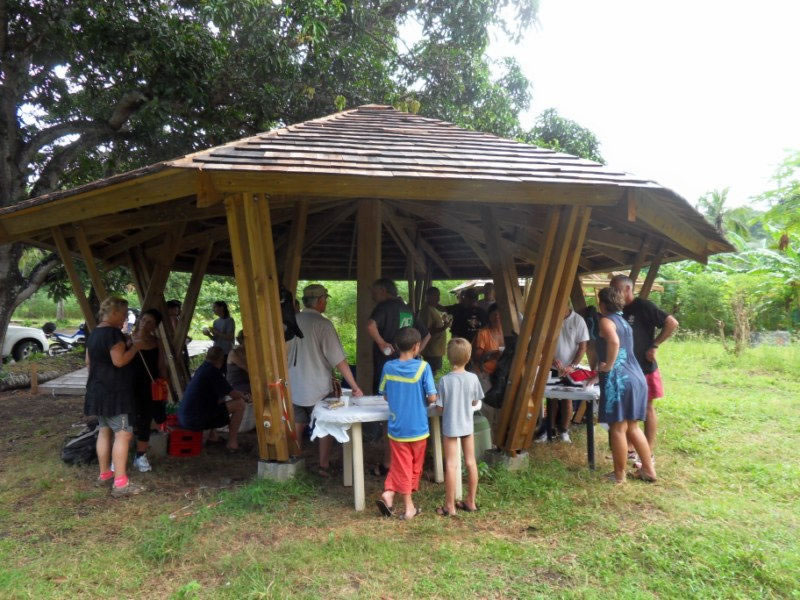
column 696, row 95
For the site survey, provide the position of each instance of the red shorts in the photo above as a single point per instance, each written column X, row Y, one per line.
column 655, row 387
column 406, row 466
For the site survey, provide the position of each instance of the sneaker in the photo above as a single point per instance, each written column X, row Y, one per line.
column 565, row 437
column 142, row 464
column 127, row 490
column 103, row 482
column 542, row 438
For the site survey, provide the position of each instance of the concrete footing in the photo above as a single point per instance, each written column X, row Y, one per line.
column 280, row 471
column 512, row 463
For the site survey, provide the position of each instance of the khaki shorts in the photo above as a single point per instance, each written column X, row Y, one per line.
column 116, row 423
column 302, row 414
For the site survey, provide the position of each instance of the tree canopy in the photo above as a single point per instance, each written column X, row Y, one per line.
column 89, row 89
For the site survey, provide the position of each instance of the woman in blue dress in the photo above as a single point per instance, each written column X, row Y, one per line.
column 623, row 389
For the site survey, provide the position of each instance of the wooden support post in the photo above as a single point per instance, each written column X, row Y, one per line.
column 630, row 196
column 34, row 379
column 652, row 271
column 532, row 307
column 257, row 281
column 577, row 296
column 75, row 280
column 192, row 294
column 294, row 250
column 523, row 416
column 91, row 266
column 546, row 359
column 501, row 273
column 638, row 261
column 368, row 269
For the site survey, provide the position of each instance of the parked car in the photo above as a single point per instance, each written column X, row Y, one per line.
column 21, row 342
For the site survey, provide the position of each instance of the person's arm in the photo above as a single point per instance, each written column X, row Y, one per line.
column 608, row 331
column 228, row 332
column 424, row 342
column 344, row 369
column 88, row 363
column 670, row 325
column 576, row 360
column 372, row 330
column 120, row 356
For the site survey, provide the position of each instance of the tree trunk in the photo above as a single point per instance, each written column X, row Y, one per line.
column 14, row 287
column 60, row 310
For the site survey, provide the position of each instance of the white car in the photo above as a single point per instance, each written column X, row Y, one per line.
column 21, row 342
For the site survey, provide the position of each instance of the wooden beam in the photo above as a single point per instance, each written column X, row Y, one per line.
column 519, row 364
column 158, row 278
column 324, row 224
column 578, row 297
column 651, row 211
column 630, row 197
column 154, row 216
column 77, row 287
column 638, row 261
column 506, row 299
column 652, row 272
column 294, row 251
column 408, row 247
column 368, row 269
column 207, row 194
column 268, row 311
column 413, row 188
column 135, row 193
column 189, row 303
column 91, row 265
column 540, row 322
column 548, row 352
column 434, row 256
column 131, row 241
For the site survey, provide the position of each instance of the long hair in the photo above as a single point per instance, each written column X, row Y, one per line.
column 224, row 306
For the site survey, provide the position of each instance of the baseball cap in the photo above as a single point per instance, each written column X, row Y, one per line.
column 315, row 290
column 470, row 293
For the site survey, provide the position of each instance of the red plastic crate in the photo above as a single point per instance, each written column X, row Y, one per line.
column 172, row 421
column 183, row 442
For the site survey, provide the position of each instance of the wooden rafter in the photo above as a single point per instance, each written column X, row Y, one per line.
column 77, row 287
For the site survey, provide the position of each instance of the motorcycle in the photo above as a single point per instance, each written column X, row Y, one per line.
column 61, row 343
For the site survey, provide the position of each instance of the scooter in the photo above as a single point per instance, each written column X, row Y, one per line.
column 61, row 343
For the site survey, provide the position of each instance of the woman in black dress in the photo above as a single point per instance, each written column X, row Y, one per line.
column 147, row 366
column 109, row 393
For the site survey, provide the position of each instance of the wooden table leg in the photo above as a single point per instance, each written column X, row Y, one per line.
column 438, row 462
column 347, row 460
column 358, row 466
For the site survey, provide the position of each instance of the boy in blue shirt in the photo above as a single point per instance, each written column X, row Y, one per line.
column 407, row 383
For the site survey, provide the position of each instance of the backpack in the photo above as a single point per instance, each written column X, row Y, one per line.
column 81, row 449
column 499, row 379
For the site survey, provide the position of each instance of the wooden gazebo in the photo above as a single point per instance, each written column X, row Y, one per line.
column 314, row 200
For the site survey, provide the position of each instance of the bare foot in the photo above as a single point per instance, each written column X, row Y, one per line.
column 406, row 516
column 388, row 498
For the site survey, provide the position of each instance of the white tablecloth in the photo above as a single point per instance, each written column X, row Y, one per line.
column 367, row 409
column 568, row 392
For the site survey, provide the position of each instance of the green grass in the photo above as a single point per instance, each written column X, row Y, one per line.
column 722, row 522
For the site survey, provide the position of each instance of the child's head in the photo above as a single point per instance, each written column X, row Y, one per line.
column 407, row 338
column 459, row 352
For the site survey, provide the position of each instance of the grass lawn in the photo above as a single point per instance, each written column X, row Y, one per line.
column 722, row 522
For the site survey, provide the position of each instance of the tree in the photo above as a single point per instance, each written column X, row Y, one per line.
column 554, row 131
column 784, row 199
column 89, row 89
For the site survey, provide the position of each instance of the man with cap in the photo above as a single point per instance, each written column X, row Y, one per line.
column 311, row 362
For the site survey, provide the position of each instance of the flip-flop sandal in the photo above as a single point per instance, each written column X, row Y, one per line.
column 239, row 450
column 324, row 472
column 404, row 518
column 613, row 478
column 443, row 512
column 642, row 476
column 461, row 505
column 385, row 509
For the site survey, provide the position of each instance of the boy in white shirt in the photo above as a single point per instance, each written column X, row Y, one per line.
column 459, row 395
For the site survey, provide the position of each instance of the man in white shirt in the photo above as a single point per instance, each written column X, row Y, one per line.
column 311, row 362
column 570, row 349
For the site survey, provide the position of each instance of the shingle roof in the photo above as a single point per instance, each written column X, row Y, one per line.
column 375, row 140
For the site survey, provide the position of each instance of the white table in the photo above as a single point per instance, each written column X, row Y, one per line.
column 589, row 395
column 367, row 409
